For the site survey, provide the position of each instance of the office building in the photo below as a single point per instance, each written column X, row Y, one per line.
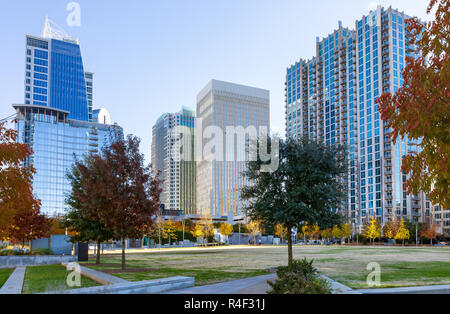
column 219, row 180
column 177, row 173
column 57, row 118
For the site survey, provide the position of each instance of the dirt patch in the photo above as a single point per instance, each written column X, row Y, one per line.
column 129, row 270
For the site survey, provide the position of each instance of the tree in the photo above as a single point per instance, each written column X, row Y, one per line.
column 124, row 196
column 16, row 176
column 255, row 228
column 346, row 231
column 336, row 232
column 28, row 223
column 372, row 230
column 307, row 187
column 390, row 229
column 85, row 203
column 169, row 231
column 207, row 226
column 430, row 232
column 402, row 232
column 420, row 110
column 225, row 229
column 281, row 231
column 198, row 231
column 327, row 233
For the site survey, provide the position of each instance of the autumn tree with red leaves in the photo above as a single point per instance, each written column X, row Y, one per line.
column 28, row 223
column 420, row 110
column 113, row 195
column 134, row 196
column 15, row 178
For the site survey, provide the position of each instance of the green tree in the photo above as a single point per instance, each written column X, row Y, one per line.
column 420, row 109
column 307, row 187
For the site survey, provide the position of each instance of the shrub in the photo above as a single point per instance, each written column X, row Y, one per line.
column 21, row 253
column 300, row 278
column 42, row 252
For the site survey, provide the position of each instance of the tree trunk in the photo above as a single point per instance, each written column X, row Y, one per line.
column 97, row 258
column 289, row 248
column 123, row 255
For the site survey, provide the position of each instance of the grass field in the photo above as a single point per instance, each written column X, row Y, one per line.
column 4, row 275
column 39, row 279
column 407, row 266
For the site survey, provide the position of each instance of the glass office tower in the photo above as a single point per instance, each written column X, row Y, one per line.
column 332, row 98
column 57, row 119
column 178, row 176
column 219, row 182
column 55, row 77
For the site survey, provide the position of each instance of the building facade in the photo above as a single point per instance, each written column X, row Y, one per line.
column 171, row 133
column 332, row 98
column 221, row 105
column 57, row 119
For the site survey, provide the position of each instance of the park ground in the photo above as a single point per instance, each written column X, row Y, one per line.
column 400, row 266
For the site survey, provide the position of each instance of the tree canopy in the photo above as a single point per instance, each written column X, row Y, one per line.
column 420, row 109
column 309, row 186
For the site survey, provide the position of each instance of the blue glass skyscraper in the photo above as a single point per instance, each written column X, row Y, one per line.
column 332, row 98
column 57, row 119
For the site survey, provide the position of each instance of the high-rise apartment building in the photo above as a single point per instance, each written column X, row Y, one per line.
column 177, row 173
column 332, row 98
column 221, row 105
column 57, row 119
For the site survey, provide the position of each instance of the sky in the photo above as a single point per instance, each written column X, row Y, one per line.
column 151, row 57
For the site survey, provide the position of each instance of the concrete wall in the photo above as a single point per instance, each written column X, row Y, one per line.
column 14, row 261
column 141, row 287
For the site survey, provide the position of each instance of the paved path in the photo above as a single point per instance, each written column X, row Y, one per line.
column 438, row 289
column 14, row 284
column 255, row 285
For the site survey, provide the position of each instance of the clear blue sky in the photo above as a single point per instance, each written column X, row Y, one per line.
column 151, row 57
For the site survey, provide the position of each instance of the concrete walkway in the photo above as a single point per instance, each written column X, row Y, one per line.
column 438, row 289
column 14, row 284
column 255, row 285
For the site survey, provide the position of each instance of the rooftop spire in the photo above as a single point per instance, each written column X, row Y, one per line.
column 53, row 31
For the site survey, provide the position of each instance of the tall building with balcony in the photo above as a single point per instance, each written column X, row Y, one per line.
column 57, row 119
column 221, row 106
column 177, row 173
column 332, row 98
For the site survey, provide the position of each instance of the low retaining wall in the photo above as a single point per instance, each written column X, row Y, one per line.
column 140, row 287
column 15, row 261
column 438, row 289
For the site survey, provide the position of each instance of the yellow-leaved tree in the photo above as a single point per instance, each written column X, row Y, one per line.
column 281, row 231
column 226, row 229
column 372, row 230
column 402, row 233
column 255, row 228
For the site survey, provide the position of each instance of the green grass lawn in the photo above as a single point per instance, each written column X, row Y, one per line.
column 400, row 267
column 4, row 275
column 40, row 279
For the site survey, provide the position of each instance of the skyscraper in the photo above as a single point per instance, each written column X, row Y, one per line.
column 57, row 119
column 332, row 98
column 221, row 105
column 177, row 175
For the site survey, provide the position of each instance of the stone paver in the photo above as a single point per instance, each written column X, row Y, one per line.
column 100, row 277
column 255, row 285
column 14, row 284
